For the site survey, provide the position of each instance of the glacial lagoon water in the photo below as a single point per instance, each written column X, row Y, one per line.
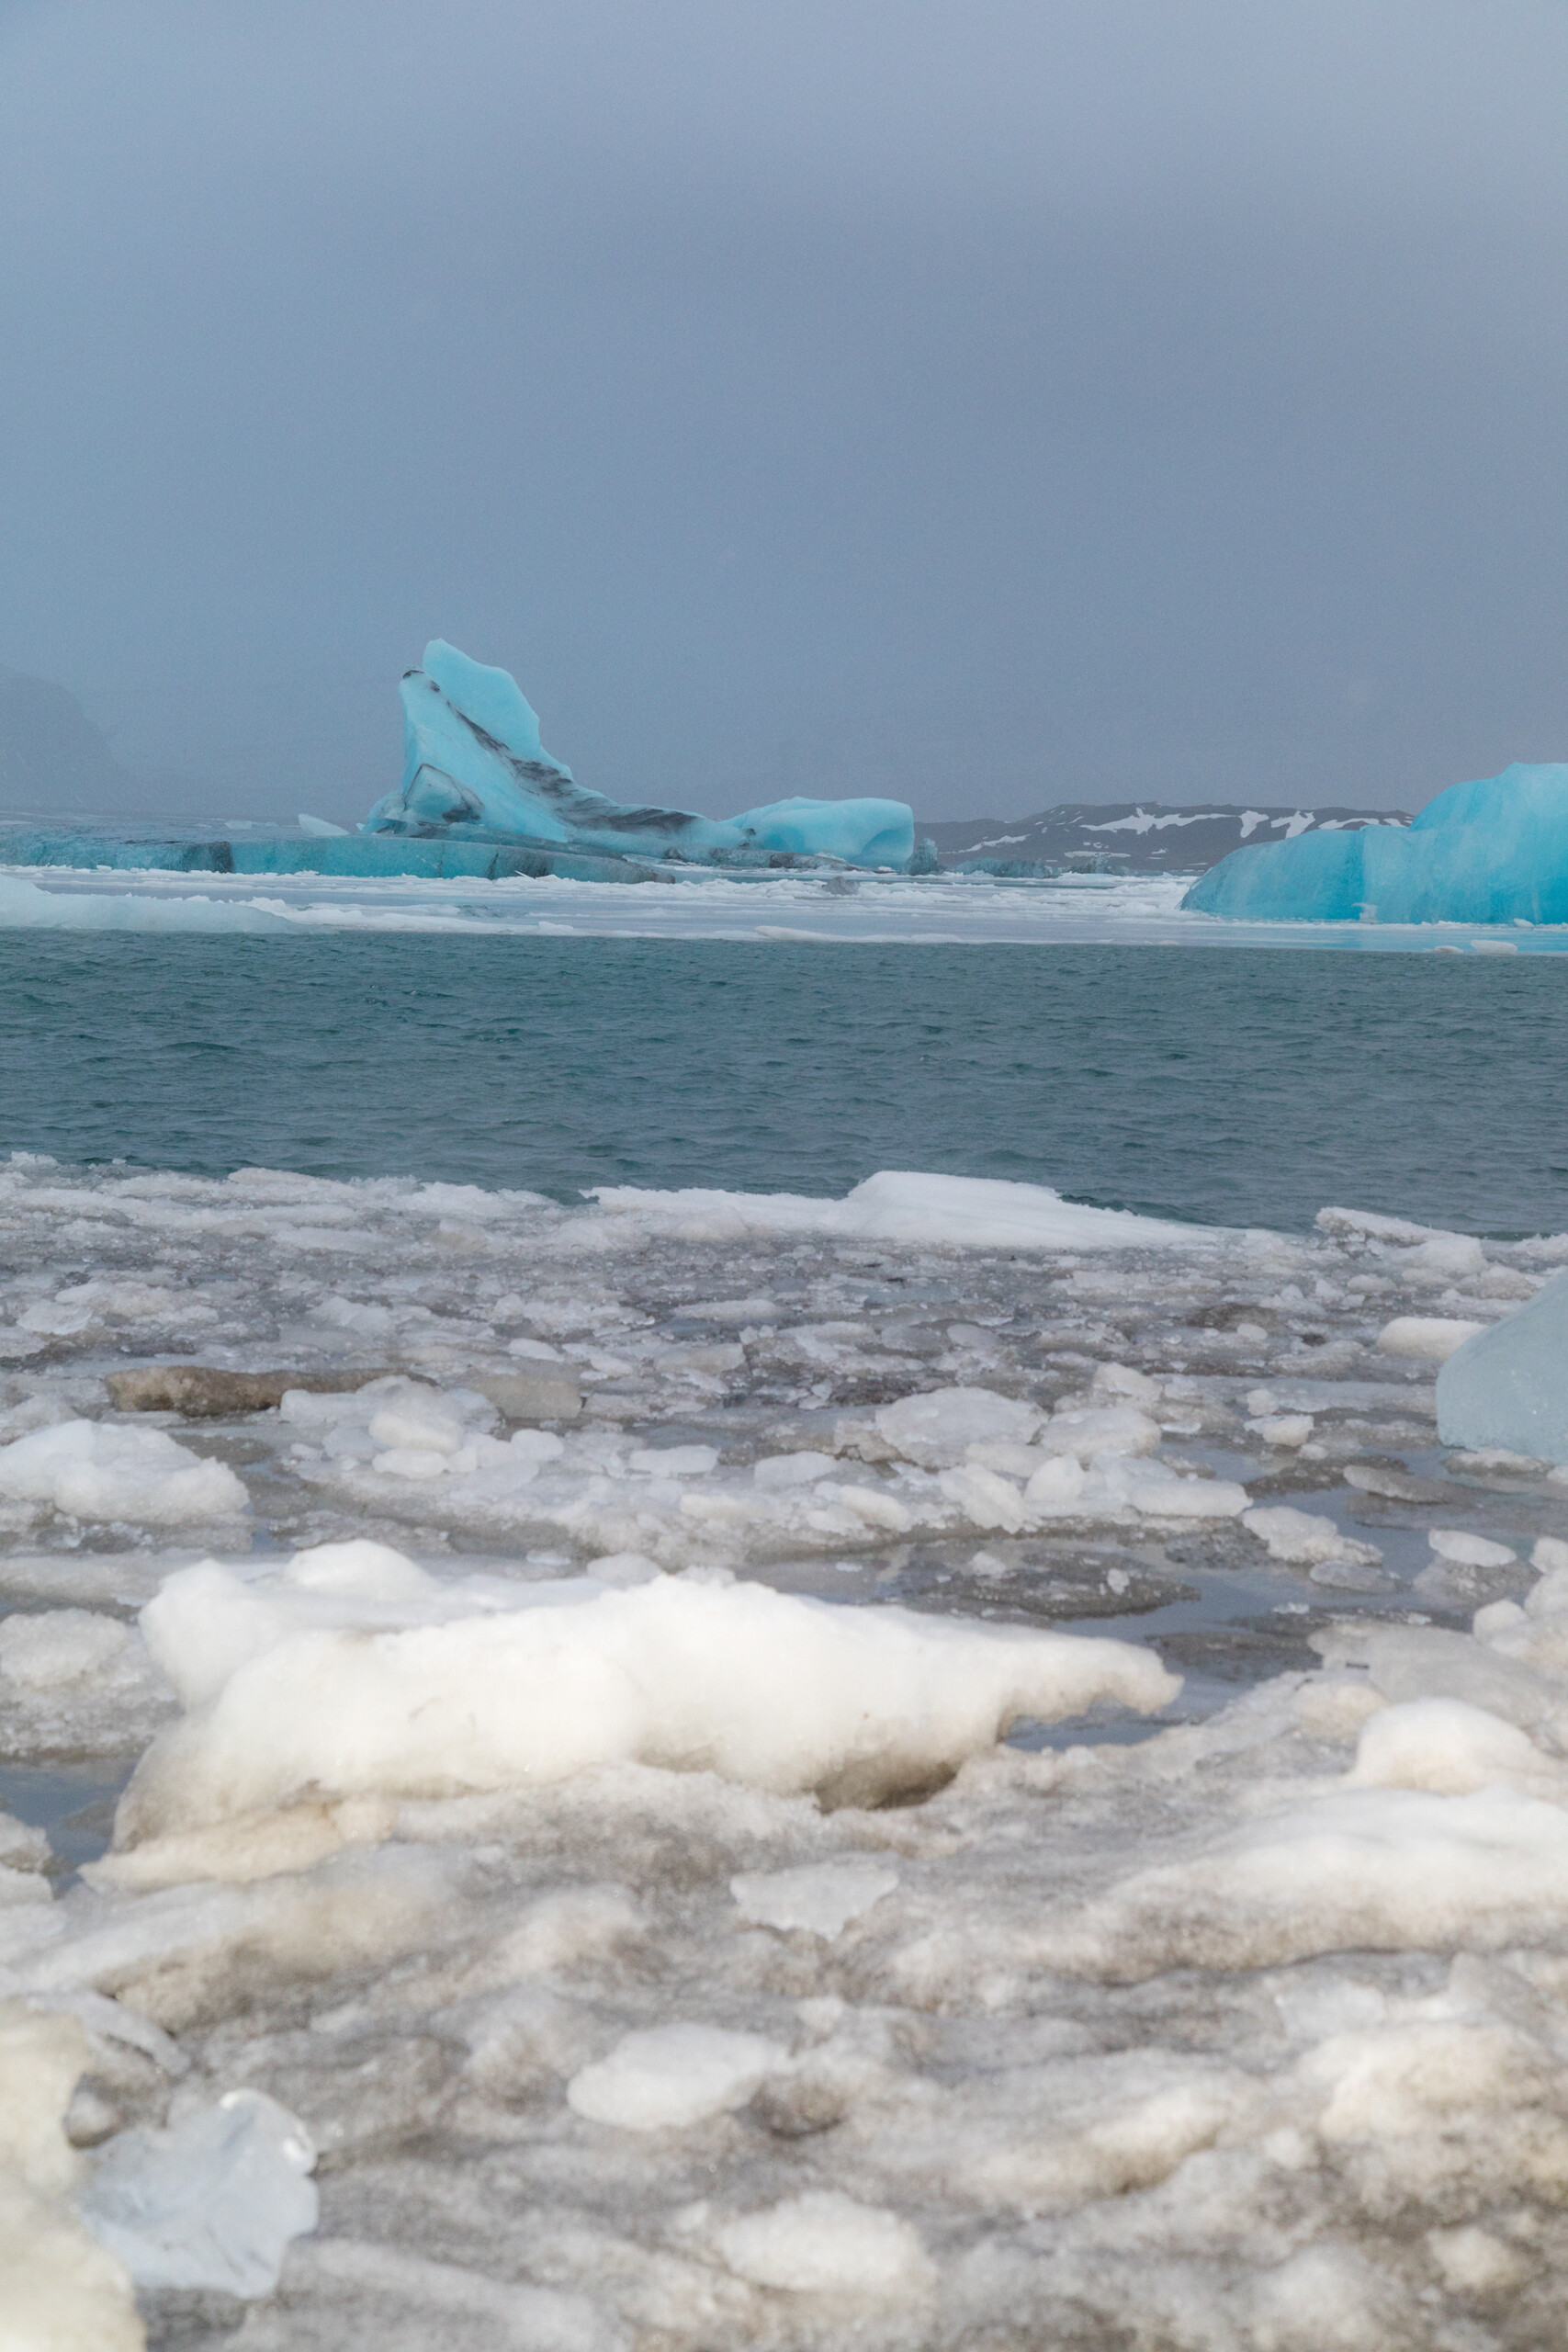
column 1222, row 1086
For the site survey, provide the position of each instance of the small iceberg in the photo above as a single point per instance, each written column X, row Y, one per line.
column 1496, row 852
column 476, row 766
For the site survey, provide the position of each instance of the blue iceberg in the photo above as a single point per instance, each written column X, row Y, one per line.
column 1491, row 851
column 150, row 849
column 1509, row 1385
column 477, row 769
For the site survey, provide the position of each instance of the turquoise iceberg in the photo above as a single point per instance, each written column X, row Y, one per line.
column 1509, row 1385
column 1491, row 851
column 475, row 769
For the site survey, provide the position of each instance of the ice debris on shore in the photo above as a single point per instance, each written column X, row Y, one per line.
column 1493, row 851
column 355, row 1676
column 1207, row 2037
column 594, row 1839
column 475, row 767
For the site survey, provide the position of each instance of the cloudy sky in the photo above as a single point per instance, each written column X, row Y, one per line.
column 988, row 403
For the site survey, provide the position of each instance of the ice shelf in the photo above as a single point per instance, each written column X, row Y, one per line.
column 1493, row 851
column 475, row 762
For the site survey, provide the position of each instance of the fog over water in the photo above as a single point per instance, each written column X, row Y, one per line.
column 994, row 405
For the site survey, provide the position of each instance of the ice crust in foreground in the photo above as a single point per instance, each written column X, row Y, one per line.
column 474, row 764
column 1494, row 852
column 592, row 1837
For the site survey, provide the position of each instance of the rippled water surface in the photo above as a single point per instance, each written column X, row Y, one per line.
column 1223, row 1085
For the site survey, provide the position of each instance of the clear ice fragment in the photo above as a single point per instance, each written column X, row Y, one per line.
column 213, row 2203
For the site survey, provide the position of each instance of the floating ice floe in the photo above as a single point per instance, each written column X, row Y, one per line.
column 1496, row 852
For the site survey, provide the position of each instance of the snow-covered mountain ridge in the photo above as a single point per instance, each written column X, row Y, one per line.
column 1135, row 836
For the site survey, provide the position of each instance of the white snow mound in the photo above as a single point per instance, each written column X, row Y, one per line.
column 953, row 1212
column 389, row 1683
column 98, row 1470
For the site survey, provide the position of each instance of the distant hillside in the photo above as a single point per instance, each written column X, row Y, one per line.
column 1134, row 836
column 51, row 756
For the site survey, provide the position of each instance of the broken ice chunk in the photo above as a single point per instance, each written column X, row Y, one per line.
column 934, row 1430
column 73, row 1680
column 402, row 1428
column 673, row 2076
column 301, row 1695
column 368, row 1570
column 827, row 2243
column 58, row 2287
column 1283, row 1429
column 1305, row 1538
column 1452, row 1748
column 1059, row 1482
column 822, row 1897
column 675, row 1461
column 98, row 1470
column 1473, row 1551
column 1432, row 1338
column 783, row 1470
column 984, row 1496
column 1157, row 1493
column 1109, row 1429
column 873, row 1505
column 212, row 2202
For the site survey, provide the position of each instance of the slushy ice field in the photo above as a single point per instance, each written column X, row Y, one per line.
column 627, row 1727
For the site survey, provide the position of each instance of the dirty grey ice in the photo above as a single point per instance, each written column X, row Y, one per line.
column 941, row 1769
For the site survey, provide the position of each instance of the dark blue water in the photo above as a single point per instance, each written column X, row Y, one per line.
column 1219, row 1085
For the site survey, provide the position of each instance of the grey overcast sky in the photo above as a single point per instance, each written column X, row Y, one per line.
column 987, row 403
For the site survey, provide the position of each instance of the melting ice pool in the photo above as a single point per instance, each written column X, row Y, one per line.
column 601, row 1936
